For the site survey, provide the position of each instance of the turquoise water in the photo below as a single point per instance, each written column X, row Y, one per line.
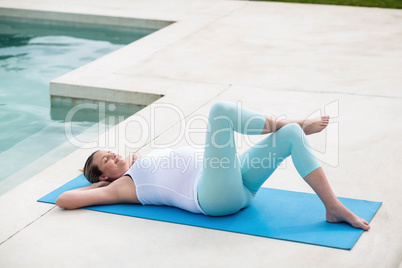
column 31, row 55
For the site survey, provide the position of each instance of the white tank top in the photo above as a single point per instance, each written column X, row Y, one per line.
column 168, row 177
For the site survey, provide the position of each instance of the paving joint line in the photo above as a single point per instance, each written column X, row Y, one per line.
column 264, row 88
column 341, row 93
column 321, row 92
column 23, row 228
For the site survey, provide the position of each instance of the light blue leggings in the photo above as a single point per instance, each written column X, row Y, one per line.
column 229, row 183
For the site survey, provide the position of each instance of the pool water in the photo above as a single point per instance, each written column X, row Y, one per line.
column 31, row 55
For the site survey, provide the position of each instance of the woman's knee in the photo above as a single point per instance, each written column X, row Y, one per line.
column 222, row 108
column 292, row 131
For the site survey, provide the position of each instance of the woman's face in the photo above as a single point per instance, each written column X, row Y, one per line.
column 113, row 166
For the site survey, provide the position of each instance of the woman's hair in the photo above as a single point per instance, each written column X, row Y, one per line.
column 91, row 171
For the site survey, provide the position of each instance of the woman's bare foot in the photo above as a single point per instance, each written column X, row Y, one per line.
column 314, row 125
column 340, row 213
column 310, row 126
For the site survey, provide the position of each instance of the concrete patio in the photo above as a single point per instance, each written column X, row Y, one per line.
column 284, row 60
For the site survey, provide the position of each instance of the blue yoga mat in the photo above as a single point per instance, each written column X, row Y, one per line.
column 279, row 214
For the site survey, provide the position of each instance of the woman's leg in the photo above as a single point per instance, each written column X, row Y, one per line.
column 336, row 211
column 221, row 190
column 261, row 160
column 258, row 163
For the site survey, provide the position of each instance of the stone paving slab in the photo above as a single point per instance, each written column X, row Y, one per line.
column 281, row 59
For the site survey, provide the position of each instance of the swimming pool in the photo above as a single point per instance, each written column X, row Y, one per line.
column 31, row 55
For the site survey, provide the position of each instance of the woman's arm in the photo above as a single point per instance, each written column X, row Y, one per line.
column 120, row 191
column 93, row 186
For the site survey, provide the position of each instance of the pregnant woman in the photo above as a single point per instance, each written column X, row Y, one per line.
column 223, row 182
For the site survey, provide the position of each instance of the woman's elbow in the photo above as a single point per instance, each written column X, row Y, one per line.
column 63, row 201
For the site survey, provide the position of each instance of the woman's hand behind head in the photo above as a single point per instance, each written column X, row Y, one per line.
column 132, row 158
